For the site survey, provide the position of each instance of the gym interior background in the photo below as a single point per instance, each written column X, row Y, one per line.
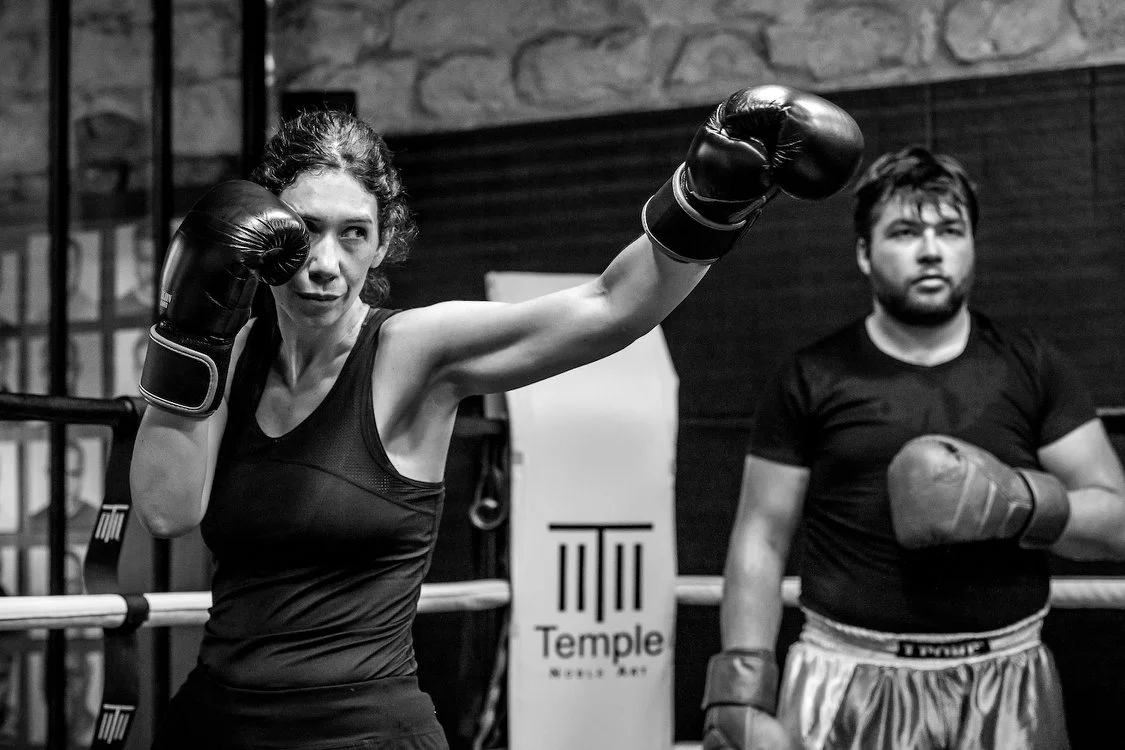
column 529, row 133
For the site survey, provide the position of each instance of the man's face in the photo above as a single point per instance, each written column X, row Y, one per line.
column 920, row 260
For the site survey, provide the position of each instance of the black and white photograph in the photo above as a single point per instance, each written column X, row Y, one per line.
column 129, row 348
column 84, row 358
column 10, row 283
column 559, row 374
column 11, row 485
column 83, row 284
column 85, row 479
column 82, row 696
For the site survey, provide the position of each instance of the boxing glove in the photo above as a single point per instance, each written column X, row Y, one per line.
column 759, row 141
column 944, row 491
column 740, row 700
column 237, row 233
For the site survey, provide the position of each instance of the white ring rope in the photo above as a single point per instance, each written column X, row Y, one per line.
column 190, row 608
column 1066, row 592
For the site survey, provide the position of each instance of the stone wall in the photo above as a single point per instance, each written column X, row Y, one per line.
column 435, row 65
column 451, row 64
column 111, row 72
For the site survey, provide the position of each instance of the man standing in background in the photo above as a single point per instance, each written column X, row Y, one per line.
column 935, row 456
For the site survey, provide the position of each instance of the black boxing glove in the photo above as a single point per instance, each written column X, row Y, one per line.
column 235, row 234
column 759, row 141
column 740, row 699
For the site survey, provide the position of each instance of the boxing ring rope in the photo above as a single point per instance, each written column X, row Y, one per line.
column 190, row 608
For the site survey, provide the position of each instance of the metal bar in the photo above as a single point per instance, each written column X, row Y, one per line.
column 254, row 31
column 68, row 409
column 161, row 216
column 162, row 157
column 58, row 211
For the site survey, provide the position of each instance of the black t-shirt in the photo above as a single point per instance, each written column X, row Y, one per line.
column 843, row 408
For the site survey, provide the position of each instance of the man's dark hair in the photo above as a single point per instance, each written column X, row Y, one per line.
column 917, row 174
column 321, row 139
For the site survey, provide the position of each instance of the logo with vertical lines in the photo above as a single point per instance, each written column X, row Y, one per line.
column 111, row 522
column 113, row 724
column 600, row 567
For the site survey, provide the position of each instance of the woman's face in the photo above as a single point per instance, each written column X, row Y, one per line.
column 343, row 222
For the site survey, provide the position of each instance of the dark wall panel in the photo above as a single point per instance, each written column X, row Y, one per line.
column 1046, row 253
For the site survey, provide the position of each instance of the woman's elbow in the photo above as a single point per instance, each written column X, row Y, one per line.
column 165, row 527
column 163, row 512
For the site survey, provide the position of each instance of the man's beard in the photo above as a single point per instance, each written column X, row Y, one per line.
column 900, row 305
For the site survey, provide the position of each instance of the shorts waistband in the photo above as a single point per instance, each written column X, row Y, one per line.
column 931, row 647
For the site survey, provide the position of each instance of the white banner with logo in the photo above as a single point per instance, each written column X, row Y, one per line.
column 593, row 551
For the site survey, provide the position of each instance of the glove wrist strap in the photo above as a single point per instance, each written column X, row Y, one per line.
column 681, row 232
column 184, row 374
column 1050, row 510
column 744, row 678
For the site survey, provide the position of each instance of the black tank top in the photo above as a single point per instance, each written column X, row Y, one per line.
column 320, row 546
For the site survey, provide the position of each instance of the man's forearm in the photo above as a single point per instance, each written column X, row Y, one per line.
column 1096, row 528
column 750, row 613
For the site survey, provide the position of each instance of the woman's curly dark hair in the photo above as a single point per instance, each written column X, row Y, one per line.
column 316, row 140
